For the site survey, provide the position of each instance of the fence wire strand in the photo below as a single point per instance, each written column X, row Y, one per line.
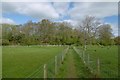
column 50, row 68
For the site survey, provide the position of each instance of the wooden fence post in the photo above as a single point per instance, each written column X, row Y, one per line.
column 45, row 72
column 55, row 65
column 98, row 66
column 62, row 57
column 84, row 57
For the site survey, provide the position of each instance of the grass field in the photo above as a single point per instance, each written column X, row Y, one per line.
column 108, row 57
column 0, row 62
column 20, row 61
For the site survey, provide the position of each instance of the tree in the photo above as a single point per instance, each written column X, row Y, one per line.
column 88, row 28
column 105, row 34
column 117, row 40
column 48, row 32
column 8, row 33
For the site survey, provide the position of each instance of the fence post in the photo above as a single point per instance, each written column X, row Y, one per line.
column 98, row 66
column 62, row 57
column 66, row 51
column 45, row 72
column 55, row 65
column 84, row 57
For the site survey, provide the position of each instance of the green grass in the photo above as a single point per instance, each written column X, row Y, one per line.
column 108, row 56
column 67, row 69
column 62, row 70
column 81, row 69
column 0, row 62
column 21, row 61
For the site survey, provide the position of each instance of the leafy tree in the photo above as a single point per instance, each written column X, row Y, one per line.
column 48, row 32
column 117, row 40
column 105, row 34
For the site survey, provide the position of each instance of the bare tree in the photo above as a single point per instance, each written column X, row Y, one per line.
column 90, row 26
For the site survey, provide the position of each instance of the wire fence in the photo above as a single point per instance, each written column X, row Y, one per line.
column 96, row 65
column 51, row 68
column 37, row 73
column 92, row 65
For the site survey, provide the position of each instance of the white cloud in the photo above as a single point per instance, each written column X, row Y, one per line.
column 61, row 8
column 100, row 10
column 72, row 22
column 47, row 10
column 7, row 21
column 53, row 11
column 95, row 0
column 60, row 0
column 115, row 29
column 25, row 0
column 37, row 10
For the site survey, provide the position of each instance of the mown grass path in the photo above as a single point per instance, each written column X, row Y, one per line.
column 71, row 69
column 68, row 68
column 81, row 68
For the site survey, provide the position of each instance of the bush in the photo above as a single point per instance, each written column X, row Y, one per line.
column 5, row 42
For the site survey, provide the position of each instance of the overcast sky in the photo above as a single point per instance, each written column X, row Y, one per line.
column 73, row 12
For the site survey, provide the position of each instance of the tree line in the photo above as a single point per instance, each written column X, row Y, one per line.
column 89, row 31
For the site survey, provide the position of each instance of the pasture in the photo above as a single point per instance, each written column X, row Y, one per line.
column 0, row 62
column 22, row 61
column 108, row 56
